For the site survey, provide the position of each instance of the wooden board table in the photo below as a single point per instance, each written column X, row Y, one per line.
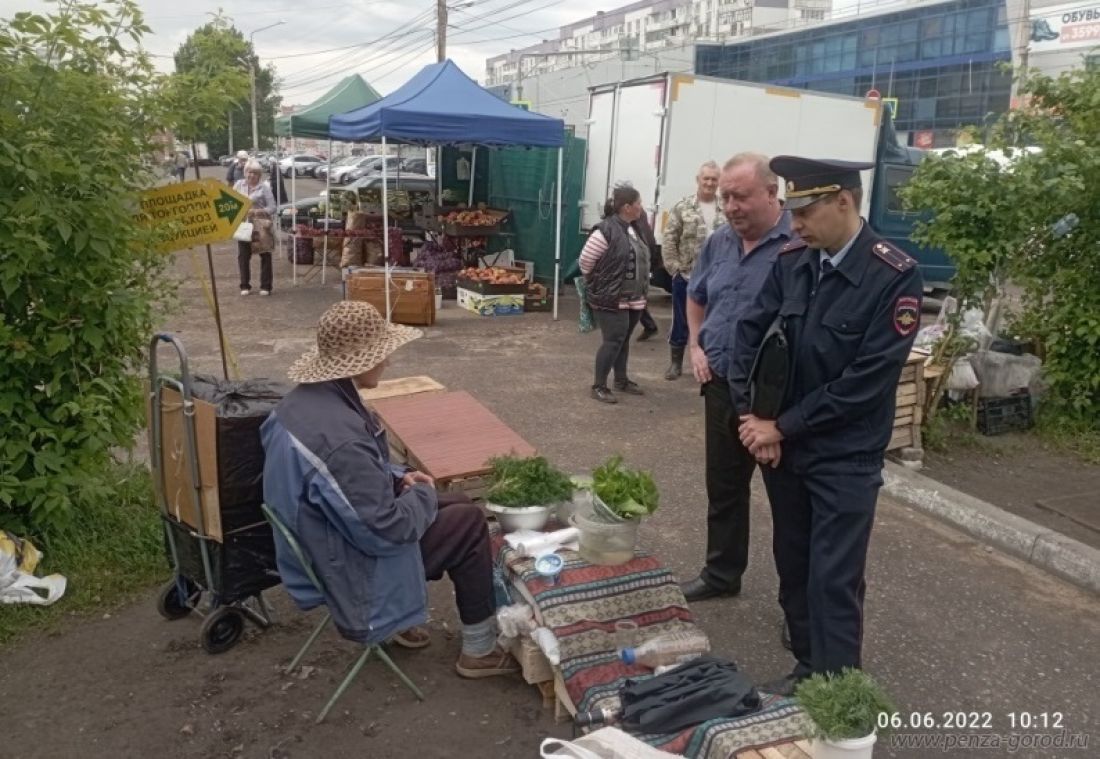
column 449, row 436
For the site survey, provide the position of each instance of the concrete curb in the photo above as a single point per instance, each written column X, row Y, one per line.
column 1039, row 546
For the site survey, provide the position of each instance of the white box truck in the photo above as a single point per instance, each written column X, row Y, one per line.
column 655, row 132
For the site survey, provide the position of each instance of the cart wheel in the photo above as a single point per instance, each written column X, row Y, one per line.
column 169, row 603
column 221, row 630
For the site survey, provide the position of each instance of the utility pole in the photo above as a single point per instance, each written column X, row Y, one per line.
column 255, row 123
column 252, row 82
column 441, row 30
column 229, row 113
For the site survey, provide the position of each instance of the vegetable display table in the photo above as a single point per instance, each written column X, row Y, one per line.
column 581, row 611
column 448, row 436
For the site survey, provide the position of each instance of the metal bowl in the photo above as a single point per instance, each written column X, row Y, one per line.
column 514, row 518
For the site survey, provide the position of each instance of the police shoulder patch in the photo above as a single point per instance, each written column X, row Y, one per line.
column 793, row 245
column 906, row 316
column 892, row 256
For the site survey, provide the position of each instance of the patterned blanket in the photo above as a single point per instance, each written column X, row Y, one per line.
column 581, row 610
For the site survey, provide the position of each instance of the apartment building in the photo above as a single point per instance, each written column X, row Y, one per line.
column 647, row 27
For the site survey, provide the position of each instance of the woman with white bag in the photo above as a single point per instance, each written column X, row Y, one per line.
column 259, row 218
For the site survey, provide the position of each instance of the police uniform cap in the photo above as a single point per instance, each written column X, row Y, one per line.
column 808, row 180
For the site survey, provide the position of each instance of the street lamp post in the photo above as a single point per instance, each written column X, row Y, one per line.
column 252, row 82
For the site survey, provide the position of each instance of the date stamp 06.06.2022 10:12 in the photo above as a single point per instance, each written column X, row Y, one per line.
column 1008, row 733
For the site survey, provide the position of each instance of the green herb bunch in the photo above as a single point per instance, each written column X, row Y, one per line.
column 527, row 482
column 629, row 493
column 844, row 706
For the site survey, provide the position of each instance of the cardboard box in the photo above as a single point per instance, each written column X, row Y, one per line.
column 179, row 484
column 507, row 304
column 487, row 288
column 412, row 294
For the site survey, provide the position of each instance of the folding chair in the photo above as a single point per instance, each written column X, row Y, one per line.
column 371, row 649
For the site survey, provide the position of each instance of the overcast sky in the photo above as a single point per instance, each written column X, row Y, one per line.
column 386, row 41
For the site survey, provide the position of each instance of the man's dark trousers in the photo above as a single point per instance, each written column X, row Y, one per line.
column 822, row 527
column 729, row 469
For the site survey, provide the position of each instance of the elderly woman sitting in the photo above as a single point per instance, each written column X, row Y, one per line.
column 262, row 212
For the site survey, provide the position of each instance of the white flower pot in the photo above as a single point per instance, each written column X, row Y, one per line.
column 852, row 748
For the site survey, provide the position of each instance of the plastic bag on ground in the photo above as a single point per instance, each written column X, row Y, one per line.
column 18, row 585
column 962, row 376
column 1003, row 374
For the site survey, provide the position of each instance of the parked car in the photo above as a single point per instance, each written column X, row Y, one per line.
column 415, row 182
column 323, row 169
column 374, row 166
column 296, row 163
column 415, row 166
column 341, row 175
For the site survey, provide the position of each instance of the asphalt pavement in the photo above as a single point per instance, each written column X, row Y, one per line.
column 952, row 624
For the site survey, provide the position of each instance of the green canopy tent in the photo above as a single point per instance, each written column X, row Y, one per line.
column 350, row 93
column 312, row 121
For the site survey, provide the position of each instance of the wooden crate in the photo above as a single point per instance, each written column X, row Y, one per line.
column 910, row 401
column 536, row 667
column 412, row 294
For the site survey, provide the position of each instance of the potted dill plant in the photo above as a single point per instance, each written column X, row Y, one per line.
column 845, row 713
column 522, row 491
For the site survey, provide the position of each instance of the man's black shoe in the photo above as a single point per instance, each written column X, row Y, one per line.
column 784, row 686
column 646, row 334
column 699, row 590
column 785, row 636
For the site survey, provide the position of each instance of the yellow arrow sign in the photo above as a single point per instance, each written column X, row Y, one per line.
column 195, row 213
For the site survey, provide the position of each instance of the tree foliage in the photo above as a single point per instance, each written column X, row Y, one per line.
column 1001, row 225
column 79, row 283
column 218, row 52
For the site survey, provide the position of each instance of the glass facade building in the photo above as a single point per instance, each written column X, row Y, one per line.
column 943, row 62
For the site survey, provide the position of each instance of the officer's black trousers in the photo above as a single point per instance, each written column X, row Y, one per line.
column 822, row 526
column 729, row 475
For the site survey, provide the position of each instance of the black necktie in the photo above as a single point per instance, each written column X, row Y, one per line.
column 826, row 267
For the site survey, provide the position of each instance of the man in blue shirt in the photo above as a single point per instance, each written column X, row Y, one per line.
column 732, row 267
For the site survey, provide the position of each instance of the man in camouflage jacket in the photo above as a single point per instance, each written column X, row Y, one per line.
column 689, row 224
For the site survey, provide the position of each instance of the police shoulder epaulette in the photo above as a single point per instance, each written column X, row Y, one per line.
column 894, row 257
column 794, row 244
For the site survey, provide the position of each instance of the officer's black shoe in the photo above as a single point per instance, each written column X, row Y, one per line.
column 646, row 334
column 785, row 636
column 699, row 590
column 784, row 686
column 603, row 395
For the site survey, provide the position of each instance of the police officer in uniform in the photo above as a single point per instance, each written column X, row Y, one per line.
column 849, row 304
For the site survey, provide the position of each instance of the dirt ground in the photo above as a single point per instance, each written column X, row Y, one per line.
column 951, row 624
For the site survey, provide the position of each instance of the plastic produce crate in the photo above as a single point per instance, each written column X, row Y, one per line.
column 997, row 416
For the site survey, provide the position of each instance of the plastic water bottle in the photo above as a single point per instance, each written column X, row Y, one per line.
column 670, row 648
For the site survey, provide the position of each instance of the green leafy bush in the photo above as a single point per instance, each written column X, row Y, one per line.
column 844, row 706
column 627, row 492
column 527, row 482
column 999, row 225
column 79, row 282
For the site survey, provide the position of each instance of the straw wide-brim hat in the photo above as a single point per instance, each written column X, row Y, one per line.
column 352, row 338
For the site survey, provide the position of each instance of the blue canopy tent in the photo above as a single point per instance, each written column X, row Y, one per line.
column 441, row 105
